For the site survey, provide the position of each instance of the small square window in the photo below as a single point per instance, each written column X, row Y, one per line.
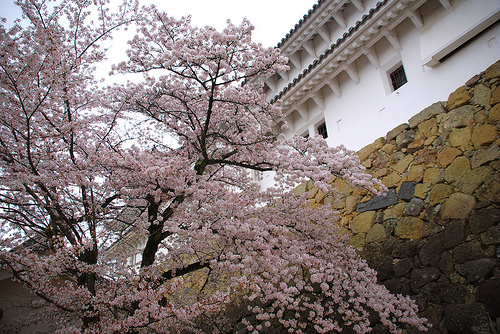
column 398, row 77
column 322, row 130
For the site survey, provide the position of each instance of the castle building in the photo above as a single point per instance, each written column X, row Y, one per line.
column 358, row 68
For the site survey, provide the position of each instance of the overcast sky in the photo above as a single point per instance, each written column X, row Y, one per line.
column 272, row 19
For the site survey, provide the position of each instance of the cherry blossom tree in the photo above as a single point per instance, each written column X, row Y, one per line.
column 213, row 241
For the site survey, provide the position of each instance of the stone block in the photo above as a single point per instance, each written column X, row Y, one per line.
column 388, row 148
column 415, row 173
column 376, row 233
column 422, row 276
column 394, row 212
column 405, row 138
column 396, row 131
column 439, row 193
column 483, row 156
column 488, row 293
column 422, row 189
column 492, row 72
column 429, row 112
column 476, row 270
column 429, row 127
column 482, row 95
column 403, row 164
column 489, row 191
column 366, row 151
column 414, row 208
column 494, row 115
column 364, row 221
column 458, row 98
column 416, row 145
column 458, row 118
column 409, row 228
column 458, row 206
column 402, row 267
column 430, row 251
column 473, row 179
column 484, row 135
column 483, row 219
column 495, row 96
column 407, row 190
column 379, row 202
column 453, row 234
column 467, row 319
column 357, row 240
column 460, row 137
column 447, row 155
column 468, row 251
column 300, row 189
column 458, row 168
column 391, row 180
column 426, row 157
column 492, row 236
column 351, row 202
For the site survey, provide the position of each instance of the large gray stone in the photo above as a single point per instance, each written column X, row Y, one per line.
column 488, row 293
column 423, row 276
column 468, row 319
column 483, row 219
column 474, row 271
column 378, row 202
column 414, row 207
column 407, row 190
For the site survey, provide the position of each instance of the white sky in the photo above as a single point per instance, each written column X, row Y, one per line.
column 272, row 19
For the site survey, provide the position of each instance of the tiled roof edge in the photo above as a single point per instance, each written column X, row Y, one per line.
column 301, row 21
column 364, row 18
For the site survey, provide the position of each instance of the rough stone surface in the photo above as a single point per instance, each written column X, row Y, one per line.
column 460, row 137
column 484, row 156
column 423, row 276
column 376, row 233
column 484, row 135
column 492, row 72
column 494, row 115
column 482, row 95
column 453, row 234
column 409, row 228
column 483, row 219
column 378, row 202
column 467, row 319
column 458, row 118
column 475, row 270
column 458, row 168
column 396, row 131
column 458, row 206
column 490, row 190
column 488, row 293
column 495, row 96
column 407, row 190
column 403, row 164
column 402, row 266
column 447, row 155
column 439, row 192
column 468, row 251
column 427, row 113
column 415, row 173
column 430, row 251
column 469, row 182
column 425, row 156
column 433, row 175
column 429, row 127
column 364, row 221
column 414, row 208
column 458, row 98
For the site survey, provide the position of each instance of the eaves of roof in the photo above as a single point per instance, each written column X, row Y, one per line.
column 301, row 21
column 328, row 51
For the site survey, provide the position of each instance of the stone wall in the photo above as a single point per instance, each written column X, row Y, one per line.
column 436, row 235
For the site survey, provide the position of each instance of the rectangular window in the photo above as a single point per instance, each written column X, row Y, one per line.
column 398, row 77
column 322, row 130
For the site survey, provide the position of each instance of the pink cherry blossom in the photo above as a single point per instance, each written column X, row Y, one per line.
column 92, row 196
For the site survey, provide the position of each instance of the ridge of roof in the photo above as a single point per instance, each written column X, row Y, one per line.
column 339, row 41
column 301, row 21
